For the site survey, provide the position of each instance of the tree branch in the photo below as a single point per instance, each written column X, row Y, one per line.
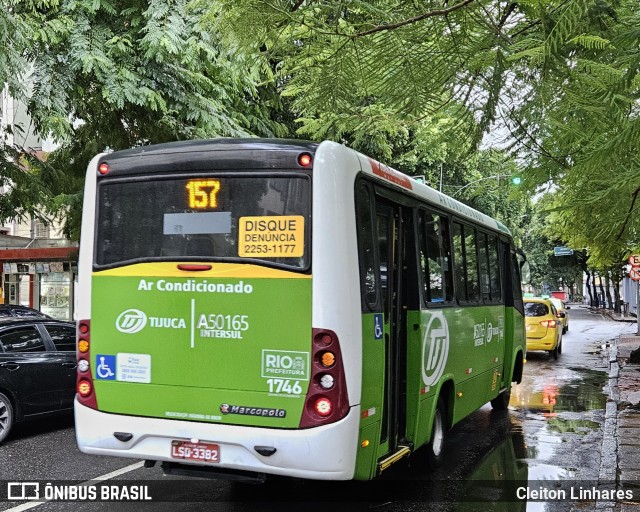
column 634, row 197
column 415, row 19
column 296, row 5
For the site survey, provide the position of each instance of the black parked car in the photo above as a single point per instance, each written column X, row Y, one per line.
column 37, row 369
column 14, row 310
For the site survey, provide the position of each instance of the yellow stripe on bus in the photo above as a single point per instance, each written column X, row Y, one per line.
column 233, row 270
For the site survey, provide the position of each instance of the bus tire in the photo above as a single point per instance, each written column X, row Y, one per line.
column 6, row 417
column 435, row 447
column 501, row 402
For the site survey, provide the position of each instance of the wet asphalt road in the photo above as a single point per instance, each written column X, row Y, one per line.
column 552, row 432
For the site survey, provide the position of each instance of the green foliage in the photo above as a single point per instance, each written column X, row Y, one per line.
column 116, row 74
column 418, row 85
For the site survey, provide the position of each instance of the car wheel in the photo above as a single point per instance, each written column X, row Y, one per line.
column 553, row 354
column 6, row 417
column 501, row 402
column 435, row 448
column 559, row 347
column 564, row 330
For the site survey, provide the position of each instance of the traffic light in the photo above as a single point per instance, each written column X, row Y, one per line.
column 516, row 180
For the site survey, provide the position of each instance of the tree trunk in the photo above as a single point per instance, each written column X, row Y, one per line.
column 602, row 293
column 607, row 280
column 616, row 292
column 589, row 286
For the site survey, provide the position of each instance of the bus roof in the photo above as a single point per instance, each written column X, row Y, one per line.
column 231, row 154
column 410, row 185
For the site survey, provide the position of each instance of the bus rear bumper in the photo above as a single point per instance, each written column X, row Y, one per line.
column 322, row 453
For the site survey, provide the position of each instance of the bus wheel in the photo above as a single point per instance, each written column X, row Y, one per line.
column 6, row 417
column 435, row 448
column 501, row 402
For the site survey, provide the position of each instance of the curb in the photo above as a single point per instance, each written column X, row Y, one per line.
column 608, row 314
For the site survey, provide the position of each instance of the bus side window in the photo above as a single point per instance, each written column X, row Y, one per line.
column 483, row 260
column 458, row 263
column 422, row 248
column 471, row 260
column 446, row 259
column 366, row 248
column 384, row 245
column 435, row 258
column 516, row 286
column 494, row 269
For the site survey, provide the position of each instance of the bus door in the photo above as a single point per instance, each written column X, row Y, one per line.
column 512, row 301
column 392, row 225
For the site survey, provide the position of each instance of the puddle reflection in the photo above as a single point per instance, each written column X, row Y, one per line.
column 566, row 390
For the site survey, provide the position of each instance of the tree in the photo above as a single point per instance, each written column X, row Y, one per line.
column 116, row 74
column 562, row 76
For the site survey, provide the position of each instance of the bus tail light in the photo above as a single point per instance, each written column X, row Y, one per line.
column 327, row 400
column 323, row 406
column 84, row 380
column 84, row 387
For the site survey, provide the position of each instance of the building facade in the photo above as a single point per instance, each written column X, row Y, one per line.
column 38, row 264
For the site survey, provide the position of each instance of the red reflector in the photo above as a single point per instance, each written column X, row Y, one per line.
column 304, row 159
column 194, row 268
column 323, row 339
column 103, row 168
column 323, row 406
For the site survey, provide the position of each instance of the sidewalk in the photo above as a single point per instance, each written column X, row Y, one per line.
column 621, row 460
column 618, row 317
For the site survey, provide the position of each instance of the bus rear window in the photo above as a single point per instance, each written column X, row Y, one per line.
column 535, row 309
column 237, row 218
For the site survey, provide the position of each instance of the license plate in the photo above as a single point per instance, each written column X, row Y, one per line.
column 202, row 452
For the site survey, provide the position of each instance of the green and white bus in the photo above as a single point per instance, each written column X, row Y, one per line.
column 255, row 307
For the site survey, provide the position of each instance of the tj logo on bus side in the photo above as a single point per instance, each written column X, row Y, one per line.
column 436, row 338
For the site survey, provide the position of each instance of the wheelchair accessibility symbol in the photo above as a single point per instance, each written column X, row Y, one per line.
column 105, row 367
column 377, row 326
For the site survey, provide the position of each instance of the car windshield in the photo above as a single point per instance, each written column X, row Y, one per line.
column 535, row 309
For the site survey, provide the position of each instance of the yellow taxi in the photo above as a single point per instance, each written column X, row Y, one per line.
column 562, row 308
column 543, row 326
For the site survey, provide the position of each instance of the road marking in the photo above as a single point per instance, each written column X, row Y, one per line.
column 108, row 476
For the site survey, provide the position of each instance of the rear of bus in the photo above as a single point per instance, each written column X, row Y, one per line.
column 196, row 345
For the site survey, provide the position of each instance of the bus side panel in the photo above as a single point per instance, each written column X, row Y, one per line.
column 517, row 329
column 373, row 369
column 336, row 277
column 418, row 408
column 464, row 344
